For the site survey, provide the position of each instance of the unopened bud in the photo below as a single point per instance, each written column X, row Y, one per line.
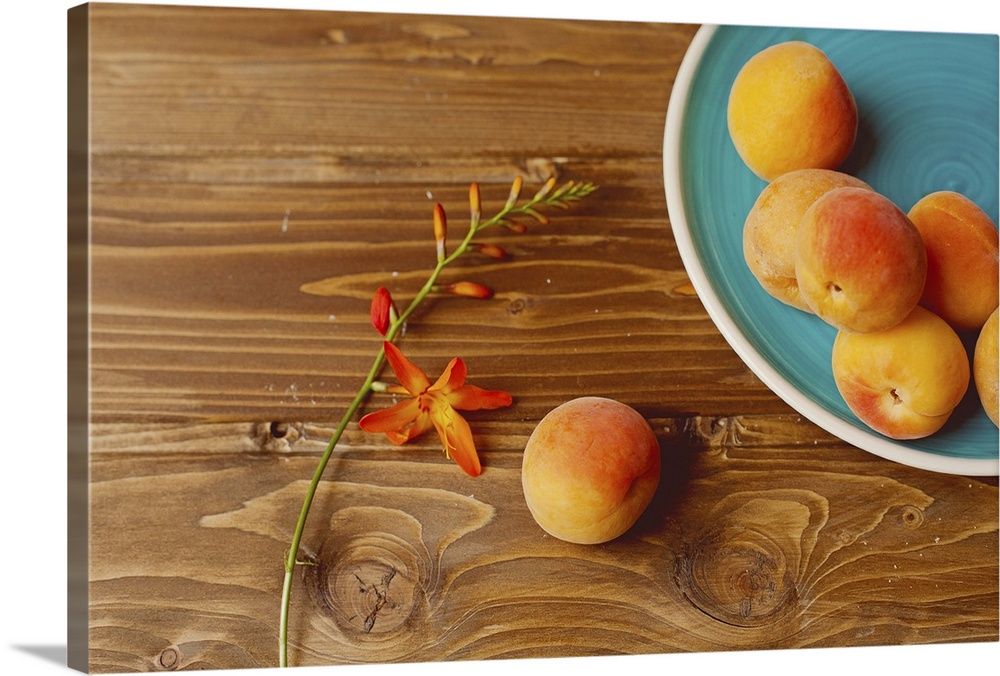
column 538, row 216
column 493, row 251
column 381, row 309
column 467, row 289
column 515, row 192
column 475, row 201
column 440, row 230
column 545, row 189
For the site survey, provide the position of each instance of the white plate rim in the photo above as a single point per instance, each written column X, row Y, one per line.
column 755, row 361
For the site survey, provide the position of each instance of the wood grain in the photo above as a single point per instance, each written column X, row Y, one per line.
column 254, row 175
column 754, row 541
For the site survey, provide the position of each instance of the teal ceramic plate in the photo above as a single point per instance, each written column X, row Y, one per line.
column 928, row 108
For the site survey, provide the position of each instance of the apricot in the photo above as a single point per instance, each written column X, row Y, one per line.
column 903, row 382
column 590, row 469
column 789, row 108
column 860, row 262
column 771, row 228
column 986, row 368
column 963, row 284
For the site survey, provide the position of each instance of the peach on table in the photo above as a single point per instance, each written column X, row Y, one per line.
column 590, row 469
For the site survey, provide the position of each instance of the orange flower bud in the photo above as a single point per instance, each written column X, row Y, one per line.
column 546, row 189
column 467, row 289
column 440, row 223
column 515, row 191
column 380, row 310
column 493, row 251
column 538, row 216
column 475, row 201
column 440, row 230
column 515, row 226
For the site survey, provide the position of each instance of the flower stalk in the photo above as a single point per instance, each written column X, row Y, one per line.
column 389, row 322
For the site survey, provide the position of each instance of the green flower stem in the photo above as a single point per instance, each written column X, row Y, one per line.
column 366, row 388
column 291, row 561
column 545, row 196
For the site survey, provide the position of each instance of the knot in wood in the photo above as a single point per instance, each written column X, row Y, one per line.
column 912, row 517
column 714, row 432
column 541, row 169
column 169, row 657
column 277, row 436
column 739, row 577
column 370, row 584
column 517, row 306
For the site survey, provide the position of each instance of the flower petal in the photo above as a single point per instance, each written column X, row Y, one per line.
column 472, row 398
column 456, row 436
column 391, row 419
column 409, row 375
column 419, row 426
column 451, row 378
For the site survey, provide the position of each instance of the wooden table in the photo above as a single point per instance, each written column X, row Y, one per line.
column 238, row 155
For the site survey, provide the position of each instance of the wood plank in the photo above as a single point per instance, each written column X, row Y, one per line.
column 254, row 175
column 407, row 567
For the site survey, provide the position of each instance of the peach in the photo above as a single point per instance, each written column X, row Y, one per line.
column 590, row 469
column 860, row 262
column 963, row 284
column 903, row 382
column 771, row 228
column 789, row 108
column 986, row 368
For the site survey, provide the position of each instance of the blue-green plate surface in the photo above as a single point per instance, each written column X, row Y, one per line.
column 928, row 109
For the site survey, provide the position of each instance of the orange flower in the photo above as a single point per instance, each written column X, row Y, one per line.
column 434, row 405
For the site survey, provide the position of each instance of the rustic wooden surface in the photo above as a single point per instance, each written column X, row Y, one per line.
column 237, row 155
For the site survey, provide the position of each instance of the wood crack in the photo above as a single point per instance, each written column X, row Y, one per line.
column 381, row 592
